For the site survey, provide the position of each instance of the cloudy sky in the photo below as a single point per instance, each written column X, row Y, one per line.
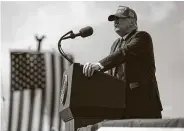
column 20, row 21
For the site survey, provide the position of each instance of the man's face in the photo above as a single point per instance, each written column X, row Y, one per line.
column 121, row 26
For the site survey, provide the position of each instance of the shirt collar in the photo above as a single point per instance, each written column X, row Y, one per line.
column 124, row 37
column 128, row 35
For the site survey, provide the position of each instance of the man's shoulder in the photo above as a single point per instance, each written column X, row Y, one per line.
column 142, row 34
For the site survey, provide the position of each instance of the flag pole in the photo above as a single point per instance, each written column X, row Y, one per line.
column 39, row 40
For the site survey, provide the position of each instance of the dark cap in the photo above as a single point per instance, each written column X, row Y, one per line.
column 123, row 12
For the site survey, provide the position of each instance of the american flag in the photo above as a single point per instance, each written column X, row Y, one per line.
column 36, row 80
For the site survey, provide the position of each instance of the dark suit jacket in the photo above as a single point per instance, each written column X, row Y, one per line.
column 137, row 57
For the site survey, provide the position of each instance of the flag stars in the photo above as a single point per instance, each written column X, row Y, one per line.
column 17, row 66
column 27, row 55
column 20, row 88
column 32, row 70
column 28, row 80
column 16, row 79
column 35, row 62
column 12, row 56
column 20, row 82
column 31, row 59
column 35, row 73
column 28, row 86
column 13, row 69
column 31, row 76
column 13, row 82
column 16, row 60
column 20, row 56
column 16, row 72
column 39, row 59
column 27, row 71
column 27, row 62
column 24, row 71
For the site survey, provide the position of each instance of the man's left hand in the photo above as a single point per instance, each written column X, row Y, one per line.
column 89, row 68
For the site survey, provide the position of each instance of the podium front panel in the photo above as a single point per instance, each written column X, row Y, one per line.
column 100, row 96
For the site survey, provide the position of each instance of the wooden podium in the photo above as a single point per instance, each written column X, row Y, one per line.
column 86, row 101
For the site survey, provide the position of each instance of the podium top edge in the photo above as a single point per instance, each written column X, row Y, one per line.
column 99, row 72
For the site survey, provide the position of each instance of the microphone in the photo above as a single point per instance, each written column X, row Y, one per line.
column 84, row 32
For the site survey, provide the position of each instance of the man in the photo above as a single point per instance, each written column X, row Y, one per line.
column 132, row 60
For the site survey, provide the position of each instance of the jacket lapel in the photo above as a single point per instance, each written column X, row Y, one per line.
column 130, row 36
column 122, row 67
column 115, row 45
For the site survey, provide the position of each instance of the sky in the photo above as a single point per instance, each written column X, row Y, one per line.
column 21, row 21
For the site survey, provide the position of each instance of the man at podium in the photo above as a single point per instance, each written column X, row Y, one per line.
column 132, row 60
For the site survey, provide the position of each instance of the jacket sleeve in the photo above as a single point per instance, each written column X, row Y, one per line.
column 138, row 46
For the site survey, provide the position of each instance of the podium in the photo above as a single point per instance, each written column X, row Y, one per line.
column 89, row 100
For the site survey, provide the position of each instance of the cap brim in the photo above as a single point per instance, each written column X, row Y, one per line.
column 113, row 17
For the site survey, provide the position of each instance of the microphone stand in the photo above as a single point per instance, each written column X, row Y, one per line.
column 61, row 50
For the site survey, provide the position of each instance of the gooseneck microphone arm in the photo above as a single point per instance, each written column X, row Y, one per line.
column 59, row 45
column 84, row 32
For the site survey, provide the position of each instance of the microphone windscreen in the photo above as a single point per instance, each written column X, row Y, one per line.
column 86, row 31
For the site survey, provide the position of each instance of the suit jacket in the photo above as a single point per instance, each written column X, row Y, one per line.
column 136, row 59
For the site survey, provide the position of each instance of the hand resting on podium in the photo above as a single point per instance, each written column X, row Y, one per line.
column 89, row 68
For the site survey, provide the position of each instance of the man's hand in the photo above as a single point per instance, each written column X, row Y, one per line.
column 89, row 68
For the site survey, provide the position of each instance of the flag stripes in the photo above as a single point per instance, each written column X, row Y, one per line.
column 20, row 110
column 36, row 79
column 53, row 74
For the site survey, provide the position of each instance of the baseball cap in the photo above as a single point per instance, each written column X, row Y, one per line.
column 123, row 12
